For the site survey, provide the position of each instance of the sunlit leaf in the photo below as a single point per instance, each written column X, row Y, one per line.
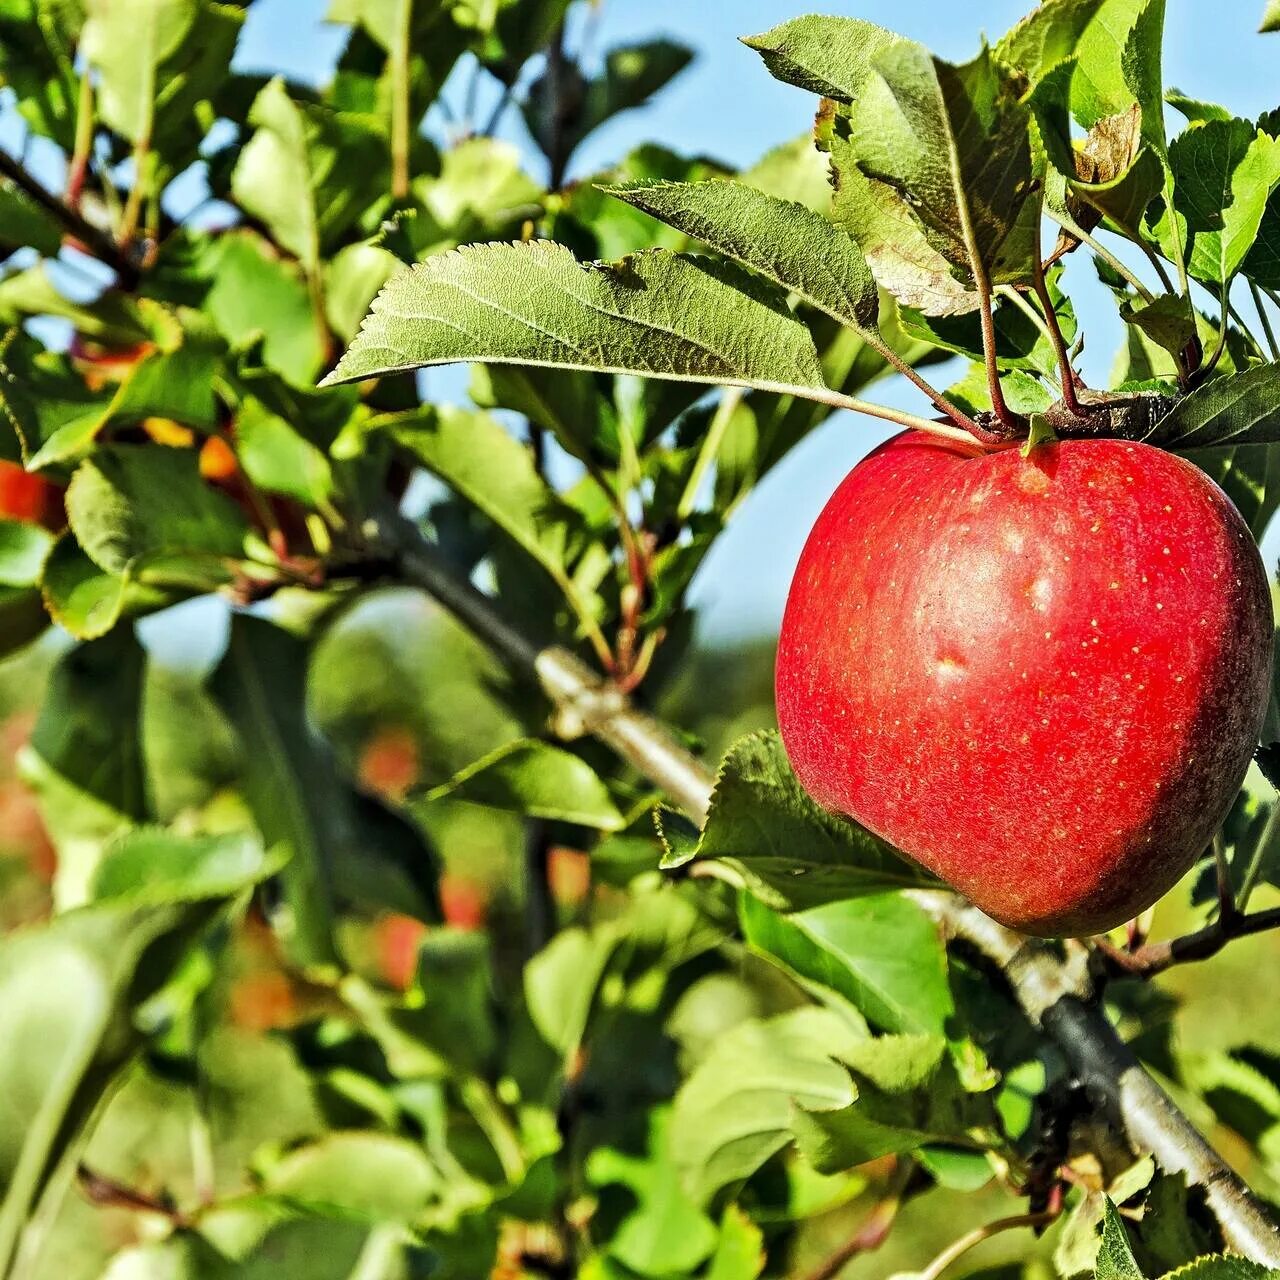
column 658, row 314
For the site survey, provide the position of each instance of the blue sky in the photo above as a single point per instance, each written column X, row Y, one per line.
column 727, row 106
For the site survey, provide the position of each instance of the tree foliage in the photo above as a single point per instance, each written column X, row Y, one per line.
column 356, row 953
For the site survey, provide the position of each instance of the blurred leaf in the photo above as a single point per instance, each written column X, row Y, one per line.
column 794, row 170
column 740, row 1253
column 829, row 56
column 664, row 1233
column 353, row 277
column 25, row 224
column 882, row 953
column 795, row 248
column 100, row 963
column 24, row 549
column 37, row 61
column 260, row 684
column 87, row 600
column 155, row 60
column 488, row 467
column 480, row 193
column 277, row 459
column 112, row 318
column 85, row 758
column 141, row 510
column 373, row 1175
column 566, row 402
column 561, row 981
column 908, row 1095
column 779, row 1063
column 658, row 314
column 788, row 850
column 307, row 173
column 43, row 398
column 1271, row 17
column 255, row 292
column 631, row 75
column 539, row 780
column 155, row 866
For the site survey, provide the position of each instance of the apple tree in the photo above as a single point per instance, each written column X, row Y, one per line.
column 396, row 889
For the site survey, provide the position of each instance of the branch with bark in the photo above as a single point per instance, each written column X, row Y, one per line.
column 1057, row 994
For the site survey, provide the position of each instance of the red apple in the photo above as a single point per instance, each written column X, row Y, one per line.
column 1042, row 678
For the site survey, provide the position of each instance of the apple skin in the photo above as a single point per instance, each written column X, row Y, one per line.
column 1042, row 678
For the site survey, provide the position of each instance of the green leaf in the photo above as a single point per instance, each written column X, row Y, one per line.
column 908, row 1096
column 664, row 1233
column 1118, row 63
column 826, row 55
column 788, row 851
column 155, row 866
column 1167, row 321
column 883, row 954
column 1115, row 1257
column 371, row 1175
column 892, row 239
column 537, row 779
column 494, row 472
column 779, row 1063
column 1271, row 17
column 308, row 174
column 128, row 41
column 1020, row 342
column 85, row 759
column 740, row 1253
column 260, row 684
column 1224, row 171
column 88, row 601
column 1047, row 36
column 657, row 314
column 954, row 143
column 25, row 224
column 782, row 240
column 1221, row 1267
column 278, row 459
column 1196, row 110
column 255, row 294
column 145, row 511
column 156, row 61
column 1240, row 408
